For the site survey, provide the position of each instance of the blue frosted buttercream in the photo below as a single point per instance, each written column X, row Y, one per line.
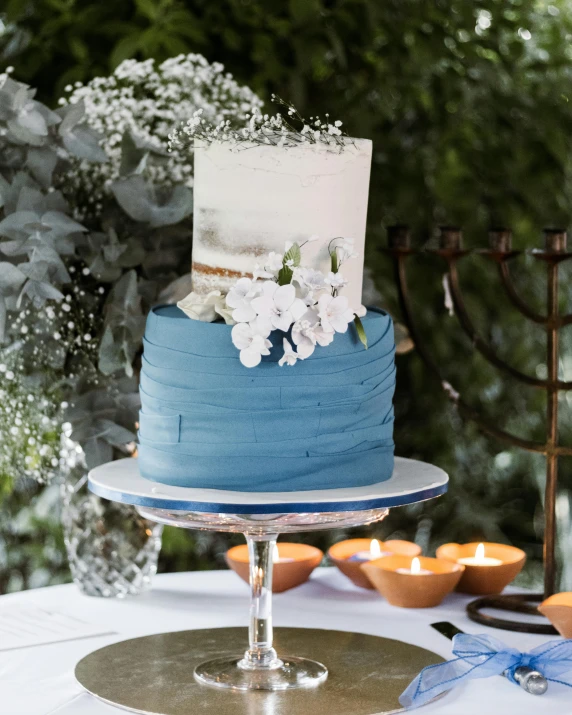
column 207, row 421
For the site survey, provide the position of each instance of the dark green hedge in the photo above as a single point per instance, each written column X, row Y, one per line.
column 468, row 105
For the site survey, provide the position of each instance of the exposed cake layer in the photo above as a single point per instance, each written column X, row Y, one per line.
column 207, row 421
column 250, row 201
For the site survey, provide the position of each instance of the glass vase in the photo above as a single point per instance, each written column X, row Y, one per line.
column 112, row 550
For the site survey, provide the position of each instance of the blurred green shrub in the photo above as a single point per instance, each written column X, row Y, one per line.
column 468, row 105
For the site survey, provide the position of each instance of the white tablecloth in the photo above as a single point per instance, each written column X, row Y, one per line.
column 40, row 680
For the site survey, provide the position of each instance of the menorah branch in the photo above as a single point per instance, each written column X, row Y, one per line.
column 517, row 301
column 465, row 410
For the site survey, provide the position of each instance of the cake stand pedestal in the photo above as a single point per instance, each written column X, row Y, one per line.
column 261, row 517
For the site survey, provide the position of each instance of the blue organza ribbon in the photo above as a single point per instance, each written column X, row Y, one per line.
column 483, row 656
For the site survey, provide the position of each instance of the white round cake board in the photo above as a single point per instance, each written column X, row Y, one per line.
column 412, row 481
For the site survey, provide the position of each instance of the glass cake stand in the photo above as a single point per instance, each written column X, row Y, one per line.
column 261, row 517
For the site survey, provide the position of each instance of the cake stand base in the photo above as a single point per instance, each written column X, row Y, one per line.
column 153, row 675
column 284, row 673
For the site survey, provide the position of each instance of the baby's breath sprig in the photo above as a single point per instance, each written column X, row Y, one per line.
column 288, row 129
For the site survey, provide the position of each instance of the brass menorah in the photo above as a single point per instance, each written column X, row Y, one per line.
column 500, row 251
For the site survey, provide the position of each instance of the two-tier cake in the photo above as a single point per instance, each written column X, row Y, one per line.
column 271, row 386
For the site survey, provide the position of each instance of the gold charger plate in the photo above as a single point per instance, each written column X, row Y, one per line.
column 154, row 674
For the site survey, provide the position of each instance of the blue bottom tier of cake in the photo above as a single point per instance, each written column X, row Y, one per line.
column 207, row 421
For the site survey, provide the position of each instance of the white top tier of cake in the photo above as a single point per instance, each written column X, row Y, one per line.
column 249, row 201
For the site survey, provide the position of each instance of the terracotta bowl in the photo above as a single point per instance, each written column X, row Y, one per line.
column 485, row 580
column 409, row 591
column 340, row 553
column 285, row 575
column 558, row 610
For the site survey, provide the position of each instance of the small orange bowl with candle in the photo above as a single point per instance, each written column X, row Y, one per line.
column 349, row 555
column 489, row 567
column 293, row 564
column 420, row 582
column 558, row 610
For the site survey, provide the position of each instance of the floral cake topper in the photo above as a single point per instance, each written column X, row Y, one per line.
column 301, row 302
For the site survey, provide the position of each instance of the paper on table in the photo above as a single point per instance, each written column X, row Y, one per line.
column 22, row 626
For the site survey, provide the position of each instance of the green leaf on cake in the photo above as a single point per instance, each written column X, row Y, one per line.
column 334, row 258
column 360, row 331
column 285, row 276
column 292, row 256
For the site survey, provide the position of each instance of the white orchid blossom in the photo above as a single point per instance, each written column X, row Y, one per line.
column 261, row 272
column 206, row 308
column 239, row 298
column 290, row 357
column 279, row 305
column 335, row 313
column 274, row 262
column 310, row 278
column 345, row 250
column 336, row 280
column 252, row 343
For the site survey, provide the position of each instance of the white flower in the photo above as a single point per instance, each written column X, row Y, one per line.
column 274, row 262
column 308, row 332
column 361, row 311
column 309, row 278
column 345, row 250
column 239, row 298
column 313, row 237
column 289, row 357
column 336, row 280
column 251, row 342
column 261, row 272
column 279, row 305
column 334, row 313
column 202, row 307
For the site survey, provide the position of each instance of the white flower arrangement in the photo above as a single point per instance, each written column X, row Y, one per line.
column 283, row 295
column 145, row 100
column 284, row 130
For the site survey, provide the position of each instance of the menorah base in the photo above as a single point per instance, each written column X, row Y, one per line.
column 515, row 603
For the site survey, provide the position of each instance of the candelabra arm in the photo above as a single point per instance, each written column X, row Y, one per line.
column 517, row 301
column 464, row 409
column 481, row 345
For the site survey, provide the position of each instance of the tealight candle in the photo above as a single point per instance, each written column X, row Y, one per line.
column 421, row 583
column 489, row 568
column 479, row 559
column 374, row 552
column 350, row 554
column 415, row 569
column 292, row 564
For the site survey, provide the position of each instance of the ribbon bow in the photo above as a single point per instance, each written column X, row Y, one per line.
column 483, row 656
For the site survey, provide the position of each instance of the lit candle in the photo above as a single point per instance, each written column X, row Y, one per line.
column 479, row 559
column 277, row 559
column 415, row 569
column 374, row 552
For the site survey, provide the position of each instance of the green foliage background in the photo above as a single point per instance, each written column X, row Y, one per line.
column 469, row 108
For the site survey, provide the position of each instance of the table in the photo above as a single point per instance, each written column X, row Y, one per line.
column 40, row 680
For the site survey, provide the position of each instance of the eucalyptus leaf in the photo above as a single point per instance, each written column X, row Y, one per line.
column 42, row 161
column 11, row 278
column 144, row 203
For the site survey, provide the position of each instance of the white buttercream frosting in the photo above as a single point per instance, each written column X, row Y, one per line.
column 250, row 201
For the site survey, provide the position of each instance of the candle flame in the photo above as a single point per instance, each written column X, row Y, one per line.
column 480, row 552
column 375, row 549
column 415, row 566
column 275, row 554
